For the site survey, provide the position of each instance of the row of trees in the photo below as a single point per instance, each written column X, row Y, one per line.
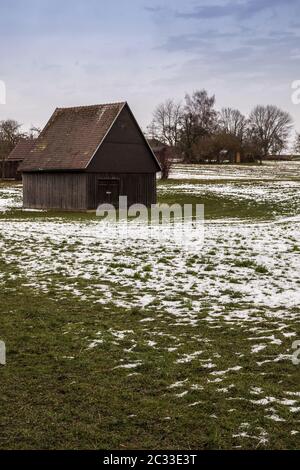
column 10, row 134
column 199, row 132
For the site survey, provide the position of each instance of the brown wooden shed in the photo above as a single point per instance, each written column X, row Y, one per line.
column 16, row 157
column 89, row 155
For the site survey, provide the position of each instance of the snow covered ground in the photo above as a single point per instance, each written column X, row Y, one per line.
column 270, row 170
column 10, row 198
column 244, row 279
column 258, row 262
column 270, row 191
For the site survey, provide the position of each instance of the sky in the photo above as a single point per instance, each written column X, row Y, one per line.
column 56, row 53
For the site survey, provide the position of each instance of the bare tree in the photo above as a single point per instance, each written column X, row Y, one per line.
column 199, row 119
column 165, row 159
column 34, row 132
column 269, row 129
column 166, row 123
column 233, row 122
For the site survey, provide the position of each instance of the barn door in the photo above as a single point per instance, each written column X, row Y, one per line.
column 108, row 191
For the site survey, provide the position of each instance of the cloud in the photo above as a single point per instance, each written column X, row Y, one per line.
column 154, row 9
column 241, row 10
column 210, row 11
column 184, row 42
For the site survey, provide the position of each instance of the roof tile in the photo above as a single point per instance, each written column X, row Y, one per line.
column 21, row 150
column 71, row 137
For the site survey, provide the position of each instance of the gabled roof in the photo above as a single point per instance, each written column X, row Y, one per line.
column 21, row 150
column 156, row 145
column 71, row 137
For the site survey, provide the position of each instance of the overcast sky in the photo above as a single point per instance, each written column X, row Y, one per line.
column 74, row 52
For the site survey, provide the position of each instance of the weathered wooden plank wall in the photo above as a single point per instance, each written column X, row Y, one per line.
column 139, row 188
column 78, row 191
column 55, row 191
column 10, row 170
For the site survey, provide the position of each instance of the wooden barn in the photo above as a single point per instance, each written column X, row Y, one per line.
column 15, row 158
column 162, row 150
column 158, row 148
column 89, row 155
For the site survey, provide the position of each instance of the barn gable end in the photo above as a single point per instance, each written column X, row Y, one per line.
column 124, row 148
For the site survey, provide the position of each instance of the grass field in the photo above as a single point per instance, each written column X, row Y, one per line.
column 123, row 344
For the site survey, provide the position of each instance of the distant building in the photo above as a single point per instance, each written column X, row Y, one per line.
column 159, row 148
column 16, row 157
column 89, row 155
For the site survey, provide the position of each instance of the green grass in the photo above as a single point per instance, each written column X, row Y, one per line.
column 216, row 205
column 57, row 393
column 220, row 206
column 51, row 401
